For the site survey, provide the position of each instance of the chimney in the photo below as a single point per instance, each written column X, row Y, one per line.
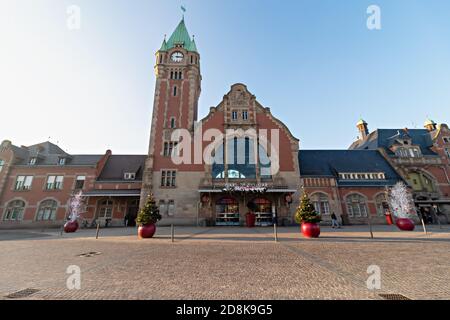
column 363, row 128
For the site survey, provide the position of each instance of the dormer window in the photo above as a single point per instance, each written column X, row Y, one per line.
column 32, row 161
column 62, row 161
column 129, row 176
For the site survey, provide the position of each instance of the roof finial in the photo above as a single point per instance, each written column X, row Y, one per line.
column 183, row 8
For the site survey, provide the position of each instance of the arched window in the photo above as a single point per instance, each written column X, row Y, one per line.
column 381, row 204
column 356, row 206
column 47, row 211
column 172, row 123
column 105, row 209
column 240, row 158
column 2, row 163
column 14, row 211
column 175, row 91
column 320, row 202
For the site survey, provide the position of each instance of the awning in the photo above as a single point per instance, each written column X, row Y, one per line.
column 267, row 191
column 113, row 193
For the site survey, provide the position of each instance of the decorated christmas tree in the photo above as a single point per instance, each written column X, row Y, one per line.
column 149, row 214
column 76, row 205
column 401, row 201
column 306, row 211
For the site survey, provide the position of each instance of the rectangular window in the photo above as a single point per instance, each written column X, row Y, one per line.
column 168, row 178
column 54, row 182
column 171, row 209
column 79, row 182
column 234, row 115
column 162, row 207
column 2, row 164
column 245, row 115
column 175, row 91
column 23, row 183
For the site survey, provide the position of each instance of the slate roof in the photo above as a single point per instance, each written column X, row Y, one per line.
column 117, row 165
column 329, row 163
column 385, row 138
column 48, row 154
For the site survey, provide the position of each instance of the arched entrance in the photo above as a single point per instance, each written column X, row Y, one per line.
column 227, row 212
column 263, row 211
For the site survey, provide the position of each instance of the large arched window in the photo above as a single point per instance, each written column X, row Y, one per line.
column 381, row 204
column 47, row 211
column 321, row 204
column 356, row 206
column 14, row 211
column 241, row 156
column 105, row 209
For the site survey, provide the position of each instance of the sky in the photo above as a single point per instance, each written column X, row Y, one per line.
column 313, row 62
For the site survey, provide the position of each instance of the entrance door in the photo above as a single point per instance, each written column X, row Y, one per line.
column 132, row 211
column 263, row 212
column 227, row 212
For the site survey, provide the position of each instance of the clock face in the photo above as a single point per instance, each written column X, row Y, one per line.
column 177, row 56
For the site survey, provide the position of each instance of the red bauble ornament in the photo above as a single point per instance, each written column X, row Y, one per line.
column 405, row 224
column 146, row 231
column 71, row 226
column 310, row 230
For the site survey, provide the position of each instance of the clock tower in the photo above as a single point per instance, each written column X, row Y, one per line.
column 175, row 106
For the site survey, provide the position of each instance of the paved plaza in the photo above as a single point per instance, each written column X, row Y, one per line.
column 226, row 263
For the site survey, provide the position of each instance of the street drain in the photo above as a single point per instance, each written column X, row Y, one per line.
column 89, row 254
column 22, row 293
column 393, row 296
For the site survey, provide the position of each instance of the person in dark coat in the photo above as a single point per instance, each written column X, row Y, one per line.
column 334, row 221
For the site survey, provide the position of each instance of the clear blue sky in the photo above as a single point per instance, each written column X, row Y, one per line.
column 313, row 62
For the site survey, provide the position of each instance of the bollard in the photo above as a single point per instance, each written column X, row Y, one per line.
column 275, row 231
column 98, row 229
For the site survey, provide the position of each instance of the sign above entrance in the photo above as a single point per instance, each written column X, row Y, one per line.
column 246, row 187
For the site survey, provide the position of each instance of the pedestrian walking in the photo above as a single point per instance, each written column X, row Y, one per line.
column 334, row 221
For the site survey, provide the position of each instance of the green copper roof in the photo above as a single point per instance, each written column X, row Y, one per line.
column 180, row 37
column 192, row 47
column 163, row 46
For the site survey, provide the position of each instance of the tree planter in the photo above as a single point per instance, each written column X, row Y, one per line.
column 405, row 224
column 146, row 231
column 71, row 226
column 310, row 230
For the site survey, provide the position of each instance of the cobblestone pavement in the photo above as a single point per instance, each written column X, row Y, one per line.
column 227, row 263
